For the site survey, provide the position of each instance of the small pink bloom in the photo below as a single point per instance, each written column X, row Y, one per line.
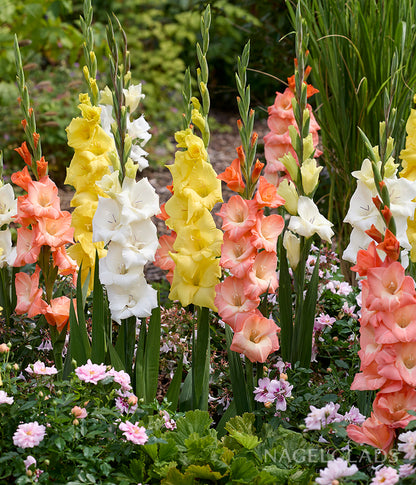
column 134, row 433
column 40, row 369
column 121, row 378
column 79, row 413
column 385, row 476
column 373, row 433
column 5, row 399
column 91, row 372
column 257, row 338
column 29, row 435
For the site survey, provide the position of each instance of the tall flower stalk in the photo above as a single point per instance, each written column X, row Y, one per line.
column 305, row 221
column 43, row 234
column 248, row 255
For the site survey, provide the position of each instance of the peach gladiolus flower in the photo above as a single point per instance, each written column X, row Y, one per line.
column 263, row 277
column 238, row 256
column 257, row 338
column 232, row 176
column 399, row 362
column 55, row 232
column 232, row 303
column 373, row 433
column 392, row 408
column 27, row 251
column 238, row 215
column 369, row 379
column 163, row 258
column 42, row 199
column 57, row 312
column 369, row 346
column 389, row 288
column 29, row 295
column 266, row 231
column 401, row 323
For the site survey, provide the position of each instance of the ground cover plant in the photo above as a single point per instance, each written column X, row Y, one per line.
column 255, row 359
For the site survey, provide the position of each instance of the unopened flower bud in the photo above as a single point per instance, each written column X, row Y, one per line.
column 75, row 422
column 268, row 404
column 132, row 400
column 29, row 473
column 16, row 366
column 283, row 376
column 329, row 369
column 4, row 349
column 335, row 339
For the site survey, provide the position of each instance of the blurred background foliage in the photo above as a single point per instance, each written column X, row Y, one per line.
column 161, row 36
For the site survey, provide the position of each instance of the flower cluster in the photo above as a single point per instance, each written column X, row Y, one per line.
column 277, row 143
column 88, row 165
column 197, row 245
column 44, row 232
column 123, row 219
column 365, row 203
column 388, row 344
column 249, row 255
column 271, row 391
column 335, row 469
column 320, row 418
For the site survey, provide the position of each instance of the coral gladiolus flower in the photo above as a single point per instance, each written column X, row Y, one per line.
column 373, row 433
column 232, row 303
column 367, row 259
column 55, row 232
column 239, row 216
column 392, row 408
column 389, row 288
column 42, row 199
column 263, row 277
column 232, row 177
column 257, row 338
column 401, row 323
column 27, row 251
column 266, row 195
column 57, row 312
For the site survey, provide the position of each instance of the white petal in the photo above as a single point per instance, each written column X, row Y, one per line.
column 107, row 219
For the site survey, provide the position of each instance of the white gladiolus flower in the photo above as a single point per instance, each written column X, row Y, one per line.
column 8, row 204
column 310, row 221
column 133, row 96
column 6, row 248
column 138, row 200
column 106, row 220
column 137, row 300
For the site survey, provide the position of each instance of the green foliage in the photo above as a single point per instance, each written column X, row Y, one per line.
column 352, row 46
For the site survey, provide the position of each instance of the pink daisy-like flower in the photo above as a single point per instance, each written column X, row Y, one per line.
column 323, row 321
column 385, row 476
column 336, row 469
column 5, row 399
column 406, row 470
column 408, row 444
column 40, row 369
column 91, row 372
column 29, row 435
column 134, row 433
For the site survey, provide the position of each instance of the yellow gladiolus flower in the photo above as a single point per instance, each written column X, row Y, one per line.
column 310, row 175
column 408, row 154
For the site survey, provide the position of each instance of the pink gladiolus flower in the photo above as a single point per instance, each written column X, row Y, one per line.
column 237, row 256
column 369, row 379
column 389, row 288
column 263, row 277
column 369, row 346
column 398, row 362
column 29, row 295
column 42, row 199
column 134, row 433
column 373, row 433
column 29, row 435
column 27, row 251
column 40, row 369
column 57, row 312
column 239, row 216
column 391, row 408
column 266, row 231
column 401, row 323
column 79, row 413
column 232, row 303
column 66, row 265
column 91, row 372
column 257, row 338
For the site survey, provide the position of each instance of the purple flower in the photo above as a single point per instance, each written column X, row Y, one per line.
column 320, row 418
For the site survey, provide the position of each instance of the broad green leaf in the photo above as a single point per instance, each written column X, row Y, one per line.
column 172, row 394
column 203, row 472
column 100, row 327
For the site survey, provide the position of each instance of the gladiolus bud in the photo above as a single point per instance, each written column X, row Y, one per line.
column 310, row 175
column 292, row 245
column 255, row 174
column 287, row 191
column 291, row 166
